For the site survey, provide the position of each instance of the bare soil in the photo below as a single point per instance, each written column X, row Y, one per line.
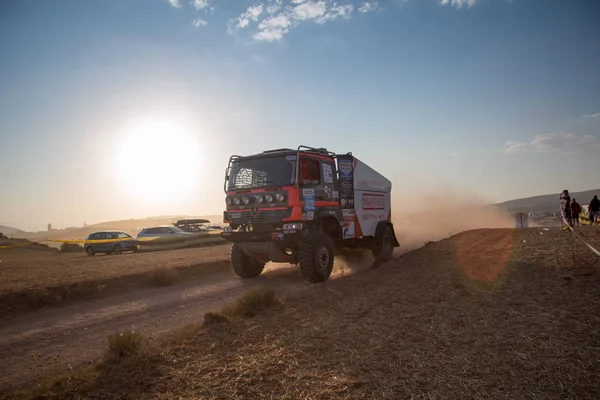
column 31, row 277
column 493, row 313
column 47, row 341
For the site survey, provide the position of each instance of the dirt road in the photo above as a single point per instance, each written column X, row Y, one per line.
column 47, row 340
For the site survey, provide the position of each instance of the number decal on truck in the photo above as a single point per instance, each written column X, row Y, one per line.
column 309, row 199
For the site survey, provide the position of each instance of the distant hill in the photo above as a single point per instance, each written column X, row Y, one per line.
column 545, row 203
column 10, row 232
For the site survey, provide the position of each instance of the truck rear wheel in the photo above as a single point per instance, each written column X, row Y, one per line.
column 383, row 249
column 316, row 257
column 244, row 265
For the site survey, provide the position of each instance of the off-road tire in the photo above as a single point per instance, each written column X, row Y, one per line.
column 243, row 265
column 384, row 248
column 117, row 249
column 89, row 251
column 316, row 257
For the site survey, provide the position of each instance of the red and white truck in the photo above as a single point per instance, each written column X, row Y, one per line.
column 303, row 207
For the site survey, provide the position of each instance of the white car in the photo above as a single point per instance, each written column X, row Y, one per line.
column 162, row 231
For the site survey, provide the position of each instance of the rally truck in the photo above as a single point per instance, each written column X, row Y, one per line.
column 304, row 207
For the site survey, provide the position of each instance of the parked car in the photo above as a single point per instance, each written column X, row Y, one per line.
column 196, row 225
column 118, row 243
column 162, row 231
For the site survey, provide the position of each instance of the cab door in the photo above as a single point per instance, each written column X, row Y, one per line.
column 318, row 185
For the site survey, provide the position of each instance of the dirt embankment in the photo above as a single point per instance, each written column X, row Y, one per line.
column 56, row 339
column 484, row 314
column 32, row 279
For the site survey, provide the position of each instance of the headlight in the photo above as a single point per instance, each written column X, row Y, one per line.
column 236, row 200
column 294, row 225
column 269, row 198
column 228, row 201
column 245, row 200
column 279, row 197
column 259, row 199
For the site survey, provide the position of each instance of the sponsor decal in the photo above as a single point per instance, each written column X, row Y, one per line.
column 346, row 189
column 371, row 217
column 373, row 201
column 327, row 174
column 290, row 158
column 276, row 236
column 336, row 195
column 348, row 215
column 348, row 231
column 345, row 167
column 308, row 215
column 309, row 200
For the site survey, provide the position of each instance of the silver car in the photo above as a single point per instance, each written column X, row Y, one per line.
column 162, row 231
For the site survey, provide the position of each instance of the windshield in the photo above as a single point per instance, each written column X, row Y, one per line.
column 118, row 235
column 262, row 172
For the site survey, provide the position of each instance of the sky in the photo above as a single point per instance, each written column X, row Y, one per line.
column 119, row 109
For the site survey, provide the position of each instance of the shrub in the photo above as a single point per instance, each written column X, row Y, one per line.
column 162, row 276
column 211, row 318
column 128, row 344
column 71, row 248
column 251, row 302
column 255, row 299
column 186, row 332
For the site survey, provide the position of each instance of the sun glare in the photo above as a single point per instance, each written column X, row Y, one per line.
column 157, row 160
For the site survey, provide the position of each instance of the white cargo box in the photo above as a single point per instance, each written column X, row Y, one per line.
column 367, row 179
column 371, row 198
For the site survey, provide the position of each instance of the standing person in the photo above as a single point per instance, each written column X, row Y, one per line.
column 594, row 211
column 565, row 206
column 575, row 211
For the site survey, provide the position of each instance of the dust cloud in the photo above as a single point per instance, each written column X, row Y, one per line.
column 431, row 216
column 352, row 261
column 438, row 214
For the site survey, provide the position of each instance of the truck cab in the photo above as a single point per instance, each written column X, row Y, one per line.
column 303, row 207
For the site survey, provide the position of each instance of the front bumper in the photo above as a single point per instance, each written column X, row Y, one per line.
column 283, row 238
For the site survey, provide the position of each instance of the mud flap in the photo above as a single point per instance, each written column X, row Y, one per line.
column 378, row 231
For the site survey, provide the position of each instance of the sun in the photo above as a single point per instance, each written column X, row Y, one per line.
column 157, row 160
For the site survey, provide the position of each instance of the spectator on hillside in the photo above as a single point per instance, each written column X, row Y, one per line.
column 565, row 206
column 594, row 211
column 575, row 211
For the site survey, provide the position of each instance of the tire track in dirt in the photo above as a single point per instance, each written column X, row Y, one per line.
column 77, row 333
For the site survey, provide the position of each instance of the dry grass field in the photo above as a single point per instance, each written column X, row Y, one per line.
column 30, row 277
column 493, row 313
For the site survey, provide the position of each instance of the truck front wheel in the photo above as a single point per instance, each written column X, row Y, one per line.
column 316, row 257
column 244, row 265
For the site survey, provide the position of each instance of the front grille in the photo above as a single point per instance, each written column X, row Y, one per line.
column 265, row 216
